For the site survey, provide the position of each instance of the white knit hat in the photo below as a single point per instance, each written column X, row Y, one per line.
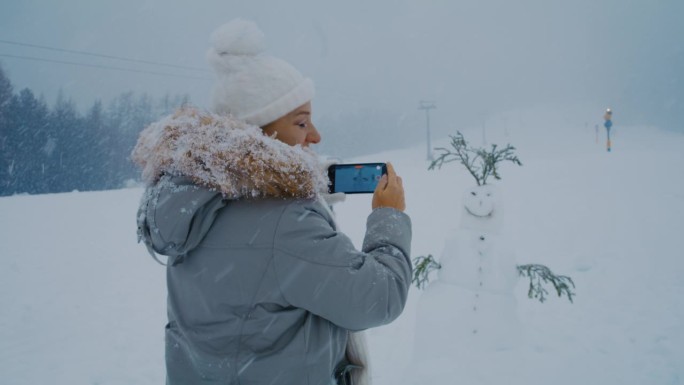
column 251, row 86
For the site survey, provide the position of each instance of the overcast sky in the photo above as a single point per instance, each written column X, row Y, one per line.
column 471, row 57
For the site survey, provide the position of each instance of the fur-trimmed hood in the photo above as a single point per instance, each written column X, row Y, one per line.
column 227, row 155
column 195, row 162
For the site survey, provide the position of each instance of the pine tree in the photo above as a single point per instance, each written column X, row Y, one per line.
column 66, row 126
column 6, row 153
column 26, row 142
column 95, row 156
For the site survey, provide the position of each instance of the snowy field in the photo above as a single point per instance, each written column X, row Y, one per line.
column 82, row 303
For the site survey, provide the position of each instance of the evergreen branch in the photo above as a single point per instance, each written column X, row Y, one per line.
column 423, row 267
column 479, row 162
column 537, row 274
column 460, row 152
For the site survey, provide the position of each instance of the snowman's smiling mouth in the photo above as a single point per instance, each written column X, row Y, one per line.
column 489, row 214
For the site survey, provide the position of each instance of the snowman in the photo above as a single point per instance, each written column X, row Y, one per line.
column 467, row 321
column 471, row 307
column 468, row 315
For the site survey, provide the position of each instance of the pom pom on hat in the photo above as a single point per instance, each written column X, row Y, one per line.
column 238, row 37
column 252, row 86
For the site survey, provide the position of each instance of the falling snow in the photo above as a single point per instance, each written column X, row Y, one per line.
column 83, row 303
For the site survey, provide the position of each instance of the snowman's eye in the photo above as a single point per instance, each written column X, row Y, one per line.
column 474, row 194
column 489, row 194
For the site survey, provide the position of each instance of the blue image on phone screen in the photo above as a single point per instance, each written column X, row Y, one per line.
column 357, row 178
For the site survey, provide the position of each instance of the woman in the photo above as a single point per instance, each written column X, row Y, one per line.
column 262, row 288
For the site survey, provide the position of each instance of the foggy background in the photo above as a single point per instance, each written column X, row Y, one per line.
column 549, row 68
column 373, row 62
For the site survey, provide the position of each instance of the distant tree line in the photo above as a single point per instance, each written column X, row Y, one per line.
column 54, row 149
column 49, row 150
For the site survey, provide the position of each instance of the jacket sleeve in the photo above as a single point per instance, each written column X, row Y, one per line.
column 320, row 270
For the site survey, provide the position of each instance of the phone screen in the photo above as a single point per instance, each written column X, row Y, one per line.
column 355, row 178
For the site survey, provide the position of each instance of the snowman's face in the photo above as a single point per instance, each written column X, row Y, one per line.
column 480, row 201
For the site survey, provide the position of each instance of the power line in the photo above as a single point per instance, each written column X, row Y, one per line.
column 103, row 67
column 103, row 55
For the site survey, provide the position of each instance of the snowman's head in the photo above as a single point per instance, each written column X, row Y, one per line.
column 483, row 209
column 480, row 201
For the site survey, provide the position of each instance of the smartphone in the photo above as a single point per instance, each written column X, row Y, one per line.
column 355, row 178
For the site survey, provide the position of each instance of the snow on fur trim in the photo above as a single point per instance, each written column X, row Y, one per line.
column 226, row 154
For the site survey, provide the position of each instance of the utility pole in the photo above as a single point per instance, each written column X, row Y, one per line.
column 484, row 131
column 427, row 106
column 484, row 128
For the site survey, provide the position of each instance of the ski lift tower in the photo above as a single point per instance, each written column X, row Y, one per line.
column 427, row 106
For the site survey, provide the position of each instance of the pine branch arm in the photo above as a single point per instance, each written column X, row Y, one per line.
column 421, row 271
column 540, row 274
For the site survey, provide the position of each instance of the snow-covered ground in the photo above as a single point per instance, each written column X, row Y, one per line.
column 82, row 303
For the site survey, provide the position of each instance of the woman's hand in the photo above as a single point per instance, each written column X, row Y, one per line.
column 389, row 191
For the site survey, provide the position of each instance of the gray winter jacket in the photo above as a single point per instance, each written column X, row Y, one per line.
column 264, row 290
